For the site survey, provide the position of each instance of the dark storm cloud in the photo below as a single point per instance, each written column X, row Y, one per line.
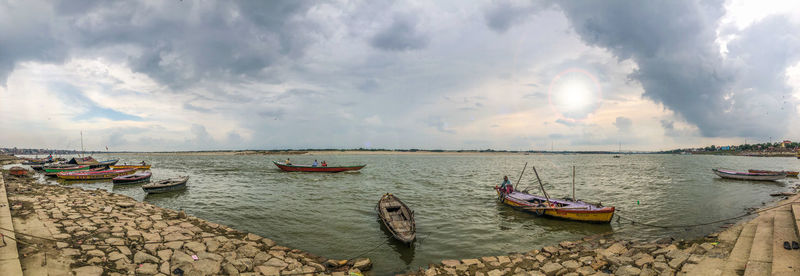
column 26, row 34
column 401, row 35
column 177, row 43
column 501, row 15
column 680, row 66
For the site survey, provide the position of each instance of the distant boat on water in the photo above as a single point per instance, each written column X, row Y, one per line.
column 730, row 174
column 309, row 168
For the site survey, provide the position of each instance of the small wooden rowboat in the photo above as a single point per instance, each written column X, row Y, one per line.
column 91, row 175
column 167, row 185
column 557, row 208
column 132, row 178
column 18, row 171
column 397, row 218
column 106, row 163
column 135, row 167
column 788, row 173
column 309, row 168
column 748, row 175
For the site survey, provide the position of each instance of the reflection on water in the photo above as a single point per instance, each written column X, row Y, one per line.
column 456, row 210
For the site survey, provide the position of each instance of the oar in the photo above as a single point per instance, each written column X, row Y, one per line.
column 520, row 174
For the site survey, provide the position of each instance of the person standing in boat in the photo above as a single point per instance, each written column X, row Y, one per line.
column 315, row 163
column 324, row 164
column 506, row 187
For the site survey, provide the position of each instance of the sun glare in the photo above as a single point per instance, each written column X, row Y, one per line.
column 574, row 94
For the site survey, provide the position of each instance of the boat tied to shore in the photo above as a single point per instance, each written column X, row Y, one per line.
column 166, row 185
column 92, row 175
column 309, row 168
column 397, row 218
column 568, row 209
column 788, row 173
column 138, row 177
column 135, row 167
column 731, row 174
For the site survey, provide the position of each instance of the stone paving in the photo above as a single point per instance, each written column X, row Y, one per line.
column 110, row 234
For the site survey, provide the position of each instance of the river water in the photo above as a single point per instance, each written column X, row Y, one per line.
column 456, row 209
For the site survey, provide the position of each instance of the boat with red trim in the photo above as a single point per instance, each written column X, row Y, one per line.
column 309, row 168
column 105, row 174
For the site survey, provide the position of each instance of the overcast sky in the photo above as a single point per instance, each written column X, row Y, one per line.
column 518, row 75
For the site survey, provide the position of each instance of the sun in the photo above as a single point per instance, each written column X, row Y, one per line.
column 574, row 94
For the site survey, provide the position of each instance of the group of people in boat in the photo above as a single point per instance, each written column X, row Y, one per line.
column 315, row 164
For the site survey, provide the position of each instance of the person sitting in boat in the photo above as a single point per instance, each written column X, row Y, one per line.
column 315, row 163
column 506, row 187
column 143, row 163
column 288, row 162
column 324, row 164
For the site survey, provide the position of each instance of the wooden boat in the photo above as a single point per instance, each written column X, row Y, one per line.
column 90, row 175
column 18, row 171
column 105, row 164
column 788, row 173
column 730, row 174
column 54, row 170
column 132, row 178
column 397, row 218
column 309, row 168
column 135, row 167
column 88, row 160
column 167, row 185
column 557, row 208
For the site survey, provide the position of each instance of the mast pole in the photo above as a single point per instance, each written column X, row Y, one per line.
column 573, row 183
column 83, row 152
column 540, row 184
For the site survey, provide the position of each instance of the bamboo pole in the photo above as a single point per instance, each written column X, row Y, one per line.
column 520, row 175
column 573, row 183
column 541, row 185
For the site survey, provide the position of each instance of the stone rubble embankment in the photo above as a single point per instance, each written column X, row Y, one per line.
column 102, row 233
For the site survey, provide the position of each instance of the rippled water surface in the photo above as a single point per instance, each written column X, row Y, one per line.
column 457, row 212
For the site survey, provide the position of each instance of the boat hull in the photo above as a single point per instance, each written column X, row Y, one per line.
column 749, row 176
column 91, row 175
column 788, row 173
column 300, row 168
column 135, row 167
column 397, row 218
column 132, row 178
column 592, row 214
column 161, row 187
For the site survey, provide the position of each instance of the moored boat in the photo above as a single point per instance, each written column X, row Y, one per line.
column 54, row 170
column 135, row 167
column 106, row 163
column 730, row 174
column 557, row 208
column 167, row 185
column 309, row 168
column 138, row 177
column 397, row 218
column 788, row 173
column 18, row 171
column 90, row 175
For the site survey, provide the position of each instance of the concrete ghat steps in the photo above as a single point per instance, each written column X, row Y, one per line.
column 760, row 260
column 737, row 259
column 784, row 262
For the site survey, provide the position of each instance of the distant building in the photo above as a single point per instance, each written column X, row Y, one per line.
column 725, row 148
column 785, row 143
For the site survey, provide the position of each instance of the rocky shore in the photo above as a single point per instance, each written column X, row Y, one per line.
column 752, row 247
column 64, row 230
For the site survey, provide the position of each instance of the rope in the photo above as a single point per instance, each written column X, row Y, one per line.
column 705, row 223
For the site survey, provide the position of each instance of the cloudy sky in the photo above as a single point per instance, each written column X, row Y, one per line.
column 519, row 75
